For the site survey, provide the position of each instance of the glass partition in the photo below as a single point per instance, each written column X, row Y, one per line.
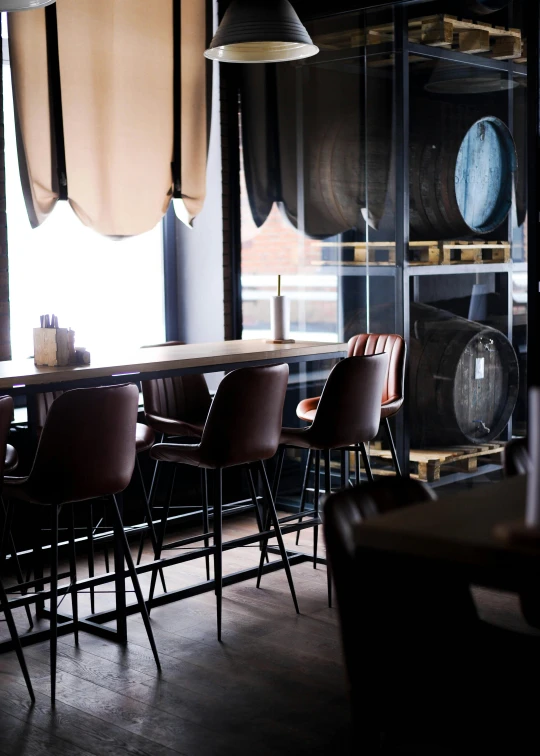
column 385, row 180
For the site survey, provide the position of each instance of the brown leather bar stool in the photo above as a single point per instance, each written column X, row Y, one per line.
column 365, row 344
column 243, row 428
column 6, row 414
column 144, row 440
column 175, row 407
column 348, row 414
column 86, row 451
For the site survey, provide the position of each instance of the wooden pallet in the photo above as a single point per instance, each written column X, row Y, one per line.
column 441, row 30
column 458, row 252
column 429, row 463
column 376, row 253
column 421, row 253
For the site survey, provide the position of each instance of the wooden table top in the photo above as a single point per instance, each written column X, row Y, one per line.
column 458, row 529
column 206, row 357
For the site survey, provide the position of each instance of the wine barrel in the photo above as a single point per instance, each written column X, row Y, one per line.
column 461, row 173
column 464, row 379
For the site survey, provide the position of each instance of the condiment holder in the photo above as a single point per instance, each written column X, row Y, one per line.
column 55, row 346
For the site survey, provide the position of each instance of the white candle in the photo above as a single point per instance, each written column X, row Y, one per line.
column 280, row 318
column 532, row 517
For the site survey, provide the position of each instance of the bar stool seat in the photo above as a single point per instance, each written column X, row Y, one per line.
column 171, row 427
column 144, row 438
column 12, row 459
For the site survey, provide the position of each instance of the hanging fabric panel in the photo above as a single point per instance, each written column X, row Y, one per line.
column 117, row 71
column 37, row 159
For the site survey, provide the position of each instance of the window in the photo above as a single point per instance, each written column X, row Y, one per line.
column 110, row 292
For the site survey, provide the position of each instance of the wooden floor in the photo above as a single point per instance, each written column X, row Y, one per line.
column 275, row 684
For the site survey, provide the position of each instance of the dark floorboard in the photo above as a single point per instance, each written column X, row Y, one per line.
column 274, row 686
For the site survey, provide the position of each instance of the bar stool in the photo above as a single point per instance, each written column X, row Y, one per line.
column 348, row 415
column 144, row 440
column 243, row 428
column 175, row 407
column 86, row 451
column 6, row 414
column 393, row 394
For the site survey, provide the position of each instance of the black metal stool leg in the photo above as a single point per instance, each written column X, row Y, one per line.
column 159, row 544
column 8, row 516
column 205, row 518
column 342, row 470
column 91, row 554
column 151, row 529
column 218, row 546
column 392, row 446
column 37, row 560
column 277, row 529
column 4, row 606
column 73, row 574
column 258, row 514
column 135, row 581
column 54, row 599
column 328, row 489
column 105, row 547
column 365, row 460
column 304, row 490
column 316, row 496
column 265, row 519
column 278, row 471
column 151, row 496
column 357, row 475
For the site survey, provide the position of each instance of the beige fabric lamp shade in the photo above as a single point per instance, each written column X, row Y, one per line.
column 116, row 76
column 19, row 5
column 266, row 31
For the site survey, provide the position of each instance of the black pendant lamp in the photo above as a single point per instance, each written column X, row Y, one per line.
column 261, row 31
column 18, row 5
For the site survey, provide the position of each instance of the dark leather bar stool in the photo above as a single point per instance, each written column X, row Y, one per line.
column 365, row 344
column 175, row 407
column 344, row 511
column 144, row 440
column 86, row 451
column 6, row 414
column 243, row 428
column 348, row 415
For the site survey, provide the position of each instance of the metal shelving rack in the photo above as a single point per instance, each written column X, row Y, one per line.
column 405, row 274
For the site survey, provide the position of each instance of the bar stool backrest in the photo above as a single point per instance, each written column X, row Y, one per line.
column 349, row 410
column 364, row 344
column 244, row 424
column 43, row 403
column 87, row 446
column 6, row 416
column 184, row 397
